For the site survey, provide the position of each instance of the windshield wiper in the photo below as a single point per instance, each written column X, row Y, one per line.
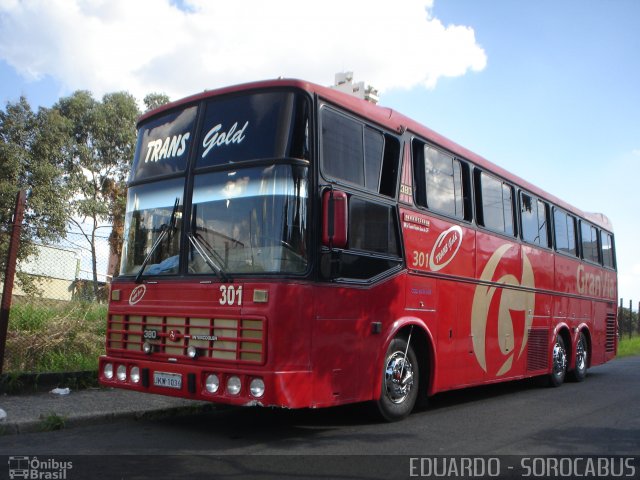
column 202, row 247
column 164, row 231
column 202, row 251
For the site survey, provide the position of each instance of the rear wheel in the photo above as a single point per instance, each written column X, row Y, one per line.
column 400, row 381
column 559, row 363
column 582, row 359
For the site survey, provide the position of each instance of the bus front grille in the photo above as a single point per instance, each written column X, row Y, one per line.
column 224, row 339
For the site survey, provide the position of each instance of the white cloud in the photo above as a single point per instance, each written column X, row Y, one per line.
column 153, row 45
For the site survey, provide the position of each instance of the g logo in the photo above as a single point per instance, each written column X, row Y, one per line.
column 511, row 301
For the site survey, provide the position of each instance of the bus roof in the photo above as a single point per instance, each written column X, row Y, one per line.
column 392, row 120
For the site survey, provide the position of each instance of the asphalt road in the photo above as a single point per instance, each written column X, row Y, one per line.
column 600, row 416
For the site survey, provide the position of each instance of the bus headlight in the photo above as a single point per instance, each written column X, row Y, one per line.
column 192, row 352
column 134, row 374
column 121, row 373
column 212, row 383
column 257, row 387
column 147, row 348
column 107, row 371
column 233, row 385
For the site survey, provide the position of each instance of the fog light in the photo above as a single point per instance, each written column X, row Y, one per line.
column 233, row 385
column 134, row 374
column 121, row 373
column 257, row 387
column 212, row 383
column 192, row 352
column 147, row 348
column 107, row 371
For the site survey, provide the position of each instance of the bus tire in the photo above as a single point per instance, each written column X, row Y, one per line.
column 400, row 381
column 558, row 363
column 582, row 359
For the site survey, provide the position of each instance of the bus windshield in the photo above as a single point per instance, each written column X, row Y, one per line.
column 245, row 220
column 152, row 228
column 250, row 220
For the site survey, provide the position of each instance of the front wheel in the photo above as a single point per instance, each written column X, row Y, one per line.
column 559, row 363
column 400, row 381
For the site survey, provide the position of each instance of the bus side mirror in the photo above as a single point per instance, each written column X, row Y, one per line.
column 335, row 213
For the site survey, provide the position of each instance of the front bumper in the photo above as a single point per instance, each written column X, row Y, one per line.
column 290, row 389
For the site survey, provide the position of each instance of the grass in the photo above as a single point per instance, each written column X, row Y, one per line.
column 55, row 337
column 629, row 346
column 52, row 422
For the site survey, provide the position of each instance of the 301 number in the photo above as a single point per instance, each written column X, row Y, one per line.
column 230, row 295
column 420, row 259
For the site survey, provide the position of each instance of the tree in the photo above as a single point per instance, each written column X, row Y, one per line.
column 33, row 147
column 103, row 138
column 155, row 100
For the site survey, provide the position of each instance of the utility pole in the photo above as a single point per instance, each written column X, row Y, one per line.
column 10, row 272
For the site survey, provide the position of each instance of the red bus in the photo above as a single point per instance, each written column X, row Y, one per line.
column 291, row 245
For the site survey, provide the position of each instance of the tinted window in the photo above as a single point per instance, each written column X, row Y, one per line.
column 342, row 147
column 373, row 247
column 497, row 209
column 608, row 257
column 589, row 237
column 565, row 230
column 359, row 154
column 443, row 178
column 533, row 213
column 163, row 145
column 261, row 125
column 373, row 151
column 372, row 227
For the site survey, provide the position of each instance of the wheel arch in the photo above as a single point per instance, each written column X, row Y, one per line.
column 564, row 331
column 584, row 329
column 422, row 342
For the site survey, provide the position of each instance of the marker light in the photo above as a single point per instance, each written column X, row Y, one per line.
column 147, row 348
column 233, row 385
column 257, row 387
column 192, row 352
column 212, row 383
column 121, row 373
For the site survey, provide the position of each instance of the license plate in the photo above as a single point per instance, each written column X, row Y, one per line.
column 167, row 380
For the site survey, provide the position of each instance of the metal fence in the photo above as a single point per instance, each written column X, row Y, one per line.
column 628, row 320
column 57, row 316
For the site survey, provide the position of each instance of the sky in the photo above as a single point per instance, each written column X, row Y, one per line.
column 548, row 89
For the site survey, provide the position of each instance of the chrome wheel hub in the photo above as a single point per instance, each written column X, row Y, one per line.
column 581, row 356
column 398, row 377
column 559, row 360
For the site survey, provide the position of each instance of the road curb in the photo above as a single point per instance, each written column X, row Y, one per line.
column 63, row 422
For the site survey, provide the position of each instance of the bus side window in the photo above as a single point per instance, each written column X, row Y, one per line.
column 495, row 203
column 589, row 241
column 441, row 181
column 359, row 154
column 608, row 255
column 533, row 217
column 565, row 232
